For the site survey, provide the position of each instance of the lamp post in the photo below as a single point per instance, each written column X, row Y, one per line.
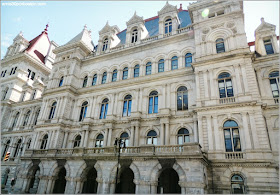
column 119, row 143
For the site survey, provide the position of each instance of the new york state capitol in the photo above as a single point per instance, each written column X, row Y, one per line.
column 195, row 110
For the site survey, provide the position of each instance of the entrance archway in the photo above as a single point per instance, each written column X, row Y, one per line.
column 34, row 183
column 90, row 184
column 168, row 182
column 60, row 182
column 126, row 184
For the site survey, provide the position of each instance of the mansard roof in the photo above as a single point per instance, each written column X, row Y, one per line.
column 152, row 26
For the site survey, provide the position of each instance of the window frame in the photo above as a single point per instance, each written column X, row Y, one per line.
column 15, row 120
column 173, row 60
column 268, row 42
column 134, row 36
column 226, row 88
column 184, row 136
column 105, row 44
column 276, row 82
column 154, row 107
column 114, row 75
column 60, row 81
column 136, row 68
column 231, row 130
column 104, row 108
column 188, row 56
column 99, row 142
column 77, row 142
column 104, row 78
column 94, row 80
column 168, row 26
column 85, row 80
column 44, row 142
column 148, row 68
column 52, row 110
column 26, row 118
column 153, row 138
column 125, row 73
column 242, row 183
column 182, row 94
column 127, row 104
column 83, row 112
column 220, row 45
column 161, row 65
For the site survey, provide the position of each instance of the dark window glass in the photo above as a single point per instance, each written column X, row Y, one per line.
column 174, row 63
column 61, row 81
column 125, row 139
column 99, row 141
column 85, row 81
column 134, row 36
column 125, row 73
column 225, row 85
column 153, row 102
column 182, row 98
column 148, row 68
column 15, row 120
column 44, row 142
column 104, row 78
column 94, row 79
column 183, row 136
column 15, row 70
column 220, row 47
column 127, row 105
column 114, row 75
column 77, row 141
column 168, row 26
column 26, row 118
column 161, row 65
column 237, row 184
column 268, row 47
column 104, row 108
column 33, row 76
column 105, row 44
column 152, row 137
column 136, row 70
column 232, row 137
column 188, row 59
column 274, row 83
column 83, row 111
column 53, row 107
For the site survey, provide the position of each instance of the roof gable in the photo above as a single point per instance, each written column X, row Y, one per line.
column 135, row 19
column 265, row 26
column 168, row 8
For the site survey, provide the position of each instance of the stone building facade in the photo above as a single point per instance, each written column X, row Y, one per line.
column 195, row 109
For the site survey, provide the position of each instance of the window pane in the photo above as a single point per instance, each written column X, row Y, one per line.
column 237, row 189
column 180, row 139
column 129, row 108
column 221, row 84
column 151, row 105
column 269, row 49
column 187, row 139
column 155, row 141
column 148, row 70
column 156, row 105
column 185, row 101
column 102, row 112
column 97, row 143
column 228, row 140
column 179, row 102
column 124, row 108
column 106, row 108
column 149, row 140
column 85, row 113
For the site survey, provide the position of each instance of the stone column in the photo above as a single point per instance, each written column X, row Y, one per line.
column 78, row 186
column 42, row 188
column 132, row 136
column 136, row 143
column 109, row 140
column 244, row 76
column 162, row 134
column 86, row 138
column 65, row 139
column 205, row 84
column 153, row 187
column 167, row 134
column 210, row 133
column 245, row 133
column 212, row 88
column 92, row 108
column 49, row 140
column 82, row 139
column 238, row 80
column 217, row 134
column 50, row 182
column 254, row 131
column 195, row 133
column 200, row 132
column 106, row 137
column 70, row 185
column 197, row 85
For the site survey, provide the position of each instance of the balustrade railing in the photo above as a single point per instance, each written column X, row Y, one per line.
column 234, row 155
column 276, row 100
column 227, row 100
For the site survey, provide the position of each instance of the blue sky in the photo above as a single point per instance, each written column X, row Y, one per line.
column 67, row 18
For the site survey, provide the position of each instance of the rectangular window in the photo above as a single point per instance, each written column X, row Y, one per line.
column 129, row 108
column 136, row 72
column 151, row 105
column 33, row 76
column 179, row 102
column 156, row 105
column 124, row 108
column 106, row 108
column 149, row 140
column 102, row 112
column 228, row 140
column 269, row 48
column 185, row 103
column 148, row 70
column 222, row 89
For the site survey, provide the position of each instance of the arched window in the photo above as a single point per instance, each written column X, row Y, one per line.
column 104, row 78
column 104, row 108
column 77, row 141
column 99, row 141
column 268, row 46
column 83, row 111
column 152, row 137
column 34, row 94
column 225, row 85
column 232, row 138
column 153, row 102
column 183, row 136
column 15, row 70
column 15, row 120
column 85, row 81
column 182, row 98
column 23, row 96
column 274, row 83
column 12, row 71
column 5, row 93
column 134, row 36
column 125, row 73
column 148, row 68
column 61, row 82
column 7, row 145
column 52, row 111
column 188, row 59
column 161, row 65
column 94, row 79
column 168, row 26
column 125, row 139
column 105, row 44
column 136, row 70
column 237, row 184
column 44, row 142
column 36, row 116
column 26, row 118
column 220, row 46
column 127, row 105
column 17, row 148
column 28, row 143
column 174, row 63
column 114, row 75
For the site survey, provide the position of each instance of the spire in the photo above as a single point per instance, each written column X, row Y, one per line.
column 46, row 29
column 135, row 13
column 85, row 27
column 262, row 20
column 181, row 8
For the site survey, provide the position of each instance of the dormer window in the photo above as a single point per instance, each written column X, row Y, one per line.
column 268, row 46
column 134, row 36
column 168, row 26
column 105, row 44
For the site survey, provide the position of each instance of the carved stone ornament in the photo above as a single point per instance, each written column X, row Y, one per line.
column 230, row 24
column 217, row 26
column 205, row 30
column 167, row 8
column 135, row 19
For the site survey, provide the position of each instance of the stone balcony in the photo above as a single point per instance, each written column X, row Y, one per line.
column 189, row 150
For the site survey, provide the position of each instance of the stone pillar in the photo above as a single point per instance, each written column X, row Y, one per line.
column 200, row 132
column 212, row 88
column 106, row 137
column 197, row 85
column 210, row 133
column 217, row 134
column 65, row 139
column 153, row 187
column 51, row 181
column 167, row 134
column 245, row 134
column 42, row 188
column 136, row 143
column 205, row 84
column 78, row 187
column 70, row 185
column 86, row 138
column 238, row 80
column 132, row 136
column 109, row 140
column 244, row 76
column 254, row 131
column 195, row 133
column 162, row 134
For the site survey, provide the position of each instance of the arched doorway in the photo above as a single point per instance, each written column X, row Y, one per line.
column 126, row 184
column 60, row 182
column 34, row 183
column 168, row 182
column 90, row 184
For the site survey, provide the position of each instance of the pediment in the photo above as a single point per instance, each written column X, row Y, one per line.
column 168, row 8
column 265, row 26
column 107, row 28
column 135, row 19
